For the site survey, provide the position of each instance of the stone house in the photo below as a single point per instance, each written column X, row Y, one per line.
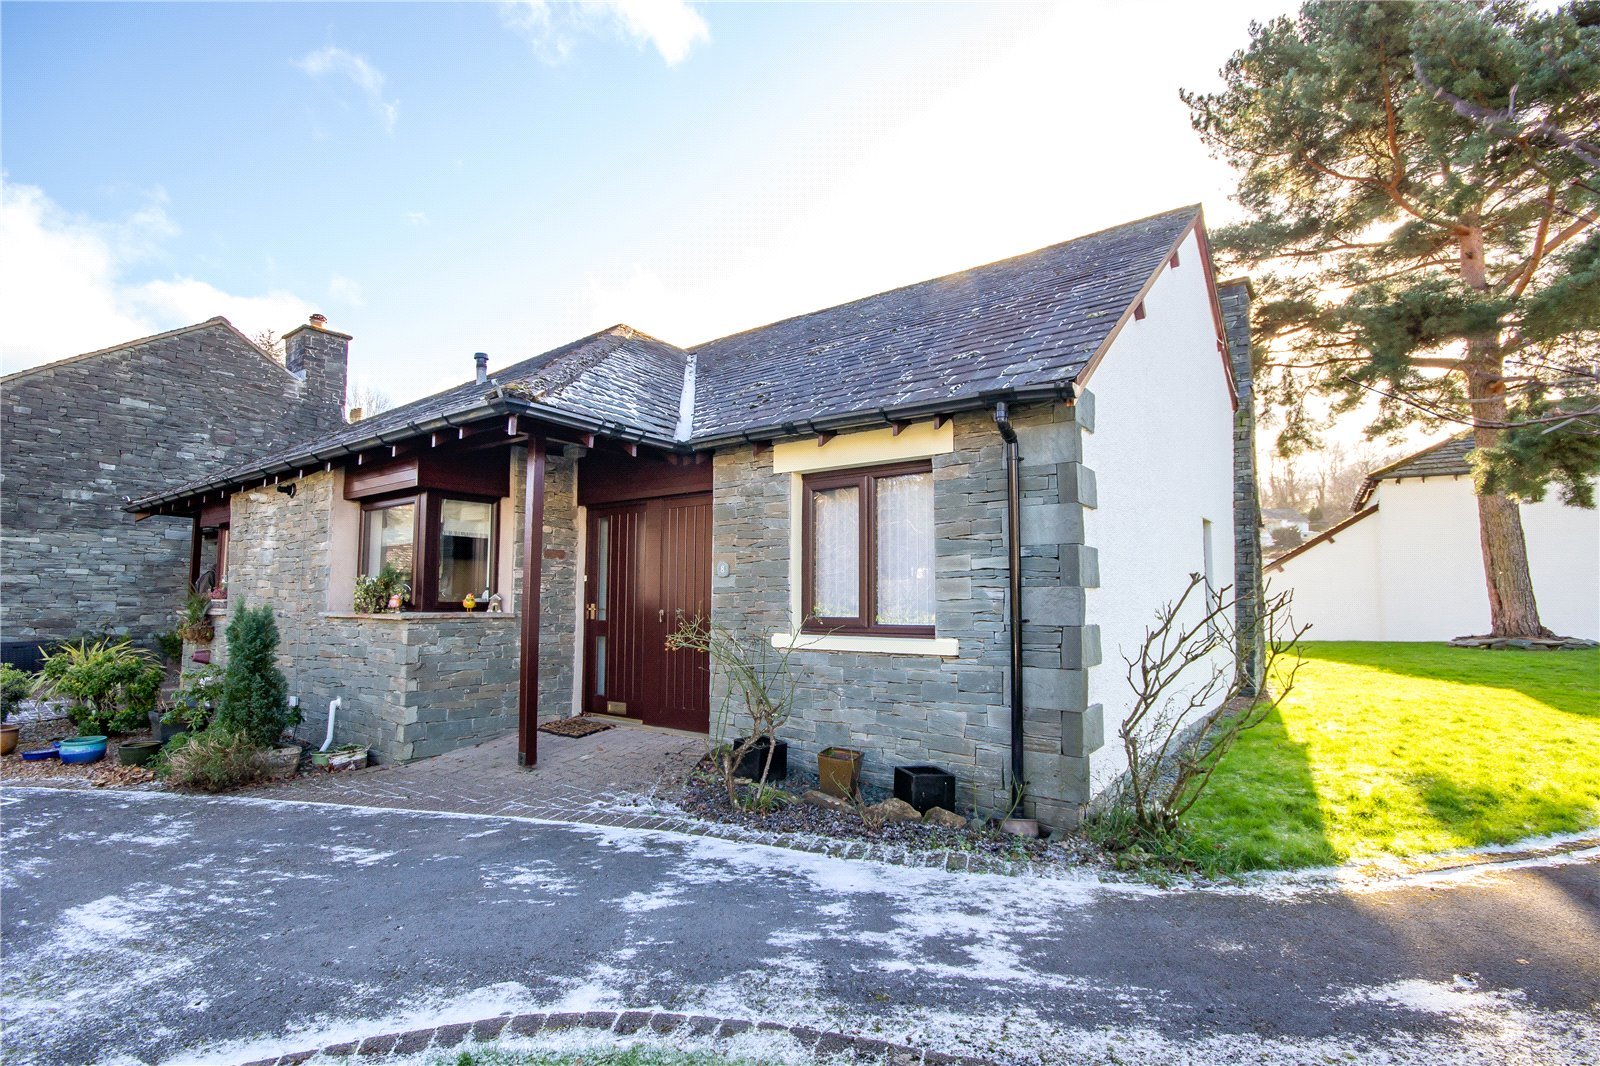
column 86, row 434
column 954, row 503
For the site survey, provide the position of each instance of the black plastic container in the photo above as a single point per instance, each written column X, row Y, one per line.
column 925, row 787
column 750, row 766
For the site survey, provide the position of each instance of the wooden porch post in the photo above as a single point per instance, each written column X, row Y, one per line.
column 532, row 572
column 194, row 554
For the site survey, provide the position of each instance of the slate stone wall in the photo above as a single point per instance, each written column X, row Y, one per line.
column 955, row 711
column 412, row 685
column 82, row 434
column 1248, row 584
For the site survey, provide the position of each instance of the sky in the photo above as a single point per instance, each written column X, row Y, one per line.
column 445, row 179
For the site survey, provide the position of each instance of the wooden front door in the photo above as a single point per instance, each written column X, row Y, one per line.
column 649, row 564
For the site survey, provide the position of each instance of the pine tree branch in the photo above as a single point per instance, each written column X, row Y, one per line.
column 1502, row 122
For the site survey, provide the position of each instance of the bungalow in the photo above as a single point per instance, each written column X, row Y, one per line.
column 918, row 491
column 1408, row 564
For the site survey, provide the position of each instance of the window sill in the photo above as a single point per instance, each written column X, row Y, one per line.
column 944, row 647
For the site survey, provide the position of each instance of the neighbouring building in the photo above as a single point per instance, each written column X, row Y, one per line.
column 84, row 435
column 837, row 484
column 1408, row 564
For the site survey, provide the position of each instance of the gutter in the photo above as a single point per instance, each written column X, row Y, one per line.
column 883, row 416
column 1013, row 461
column 496, row 402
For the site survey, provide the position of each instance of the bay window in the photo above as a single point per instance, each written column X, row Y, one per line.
column 868, row 551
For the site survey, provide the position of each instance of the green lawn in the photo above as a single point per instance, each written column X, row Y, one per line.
column 1402, row 749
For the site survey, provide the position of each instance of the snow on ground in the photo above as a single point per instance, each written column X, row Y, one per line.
column 929, row 925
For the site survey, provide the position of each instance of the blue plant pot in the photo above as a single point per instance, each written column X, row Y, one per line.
column 83, row 750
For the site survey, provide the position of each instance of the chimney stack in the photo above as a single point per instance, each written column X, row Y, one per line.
column 319, row 357
column 482, row 359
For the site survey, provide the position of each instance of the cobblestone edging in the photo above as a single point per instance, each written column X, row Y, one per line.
column 893, row 854
column 448, row 1037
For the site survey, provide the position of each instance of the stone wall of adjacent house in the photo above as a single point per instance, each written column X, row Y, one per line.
column 950, row 711
column 1248, row 585
column 413, row 684
column 83, row 434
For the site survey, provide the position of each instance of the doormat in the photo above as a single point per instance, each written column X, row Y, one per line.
column 575, row 727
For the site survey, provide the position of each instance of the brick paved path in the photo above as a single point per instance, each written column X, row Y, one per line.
column 572, row 774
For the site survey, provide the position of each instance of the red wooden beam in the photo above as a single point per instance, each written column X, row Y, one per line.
column 511, row 426
column 532, row 587
column 940, row 420
column 825, row 436
column 1174, row 260
column 194, row 553
column 897, row 428
column 1138, row 310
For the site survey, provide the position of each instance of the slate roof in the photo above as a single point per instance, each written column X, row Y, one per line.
column 1018, row 328
column 610, row 381
column 1028, row 321
column 1446, row 459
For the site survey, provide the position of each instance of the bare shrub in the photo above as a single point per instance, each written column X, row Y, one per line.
column 758, row 681
column 1190, row 707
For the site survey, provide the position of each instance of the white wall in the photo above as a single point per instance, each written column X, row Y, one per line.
column 1420, row 578
column 1162, row 453
column 1335, row 583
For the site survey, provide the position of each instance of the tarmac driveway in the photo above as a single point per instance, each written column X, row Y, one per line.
column 155, row 927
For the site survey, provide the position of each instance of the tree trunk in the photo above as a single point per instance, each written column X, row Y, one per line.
column 1512, row 609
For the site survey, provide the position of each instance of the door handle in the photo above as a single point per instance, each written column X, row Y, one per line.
column 591, row 611
column 661, row 615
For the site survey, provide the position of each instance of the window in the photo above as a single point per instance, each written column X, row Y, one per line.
column 390, row 537
column 444, row 545
column 465, row 534
column 868, row 551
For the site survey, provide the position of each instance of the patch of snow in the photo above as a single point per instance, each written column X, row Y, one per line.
column 354, row 855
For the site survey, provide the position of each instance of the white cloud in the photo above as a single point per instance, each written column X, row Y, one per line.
column 346, row 291
column 416, row 218
column 671, row 27
column 64, row 288
column 366, row 77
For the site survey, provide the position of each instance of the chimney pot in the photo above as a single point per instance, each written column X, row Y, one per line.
column 355, row 414
column 482, row 359
column 320, row 321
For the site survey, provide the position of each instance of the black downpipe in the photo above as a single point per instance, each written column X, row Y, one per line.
column 1002, row 422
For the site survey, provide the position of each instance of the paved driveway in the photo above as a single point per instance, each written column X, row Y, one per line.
column 155, row 927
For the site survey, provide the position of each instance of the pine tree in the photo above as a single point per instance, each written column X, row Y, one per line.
column 1422, row 188
column 254, row 691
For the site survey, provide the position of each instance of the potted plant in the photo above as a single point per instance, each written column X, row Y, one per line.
column 839, row 770
column 194, row 619
column 387, row 591
column 15, row 685
column 110, row 686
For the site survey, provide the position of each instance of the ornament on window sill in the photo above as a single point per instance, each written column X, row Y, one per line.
column 494, row 604
column 394, row 602
column 469, row 601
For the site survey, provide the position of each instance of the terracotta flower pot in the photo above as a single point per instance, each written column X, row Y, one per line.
column 839, row 770
column 8, row 738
